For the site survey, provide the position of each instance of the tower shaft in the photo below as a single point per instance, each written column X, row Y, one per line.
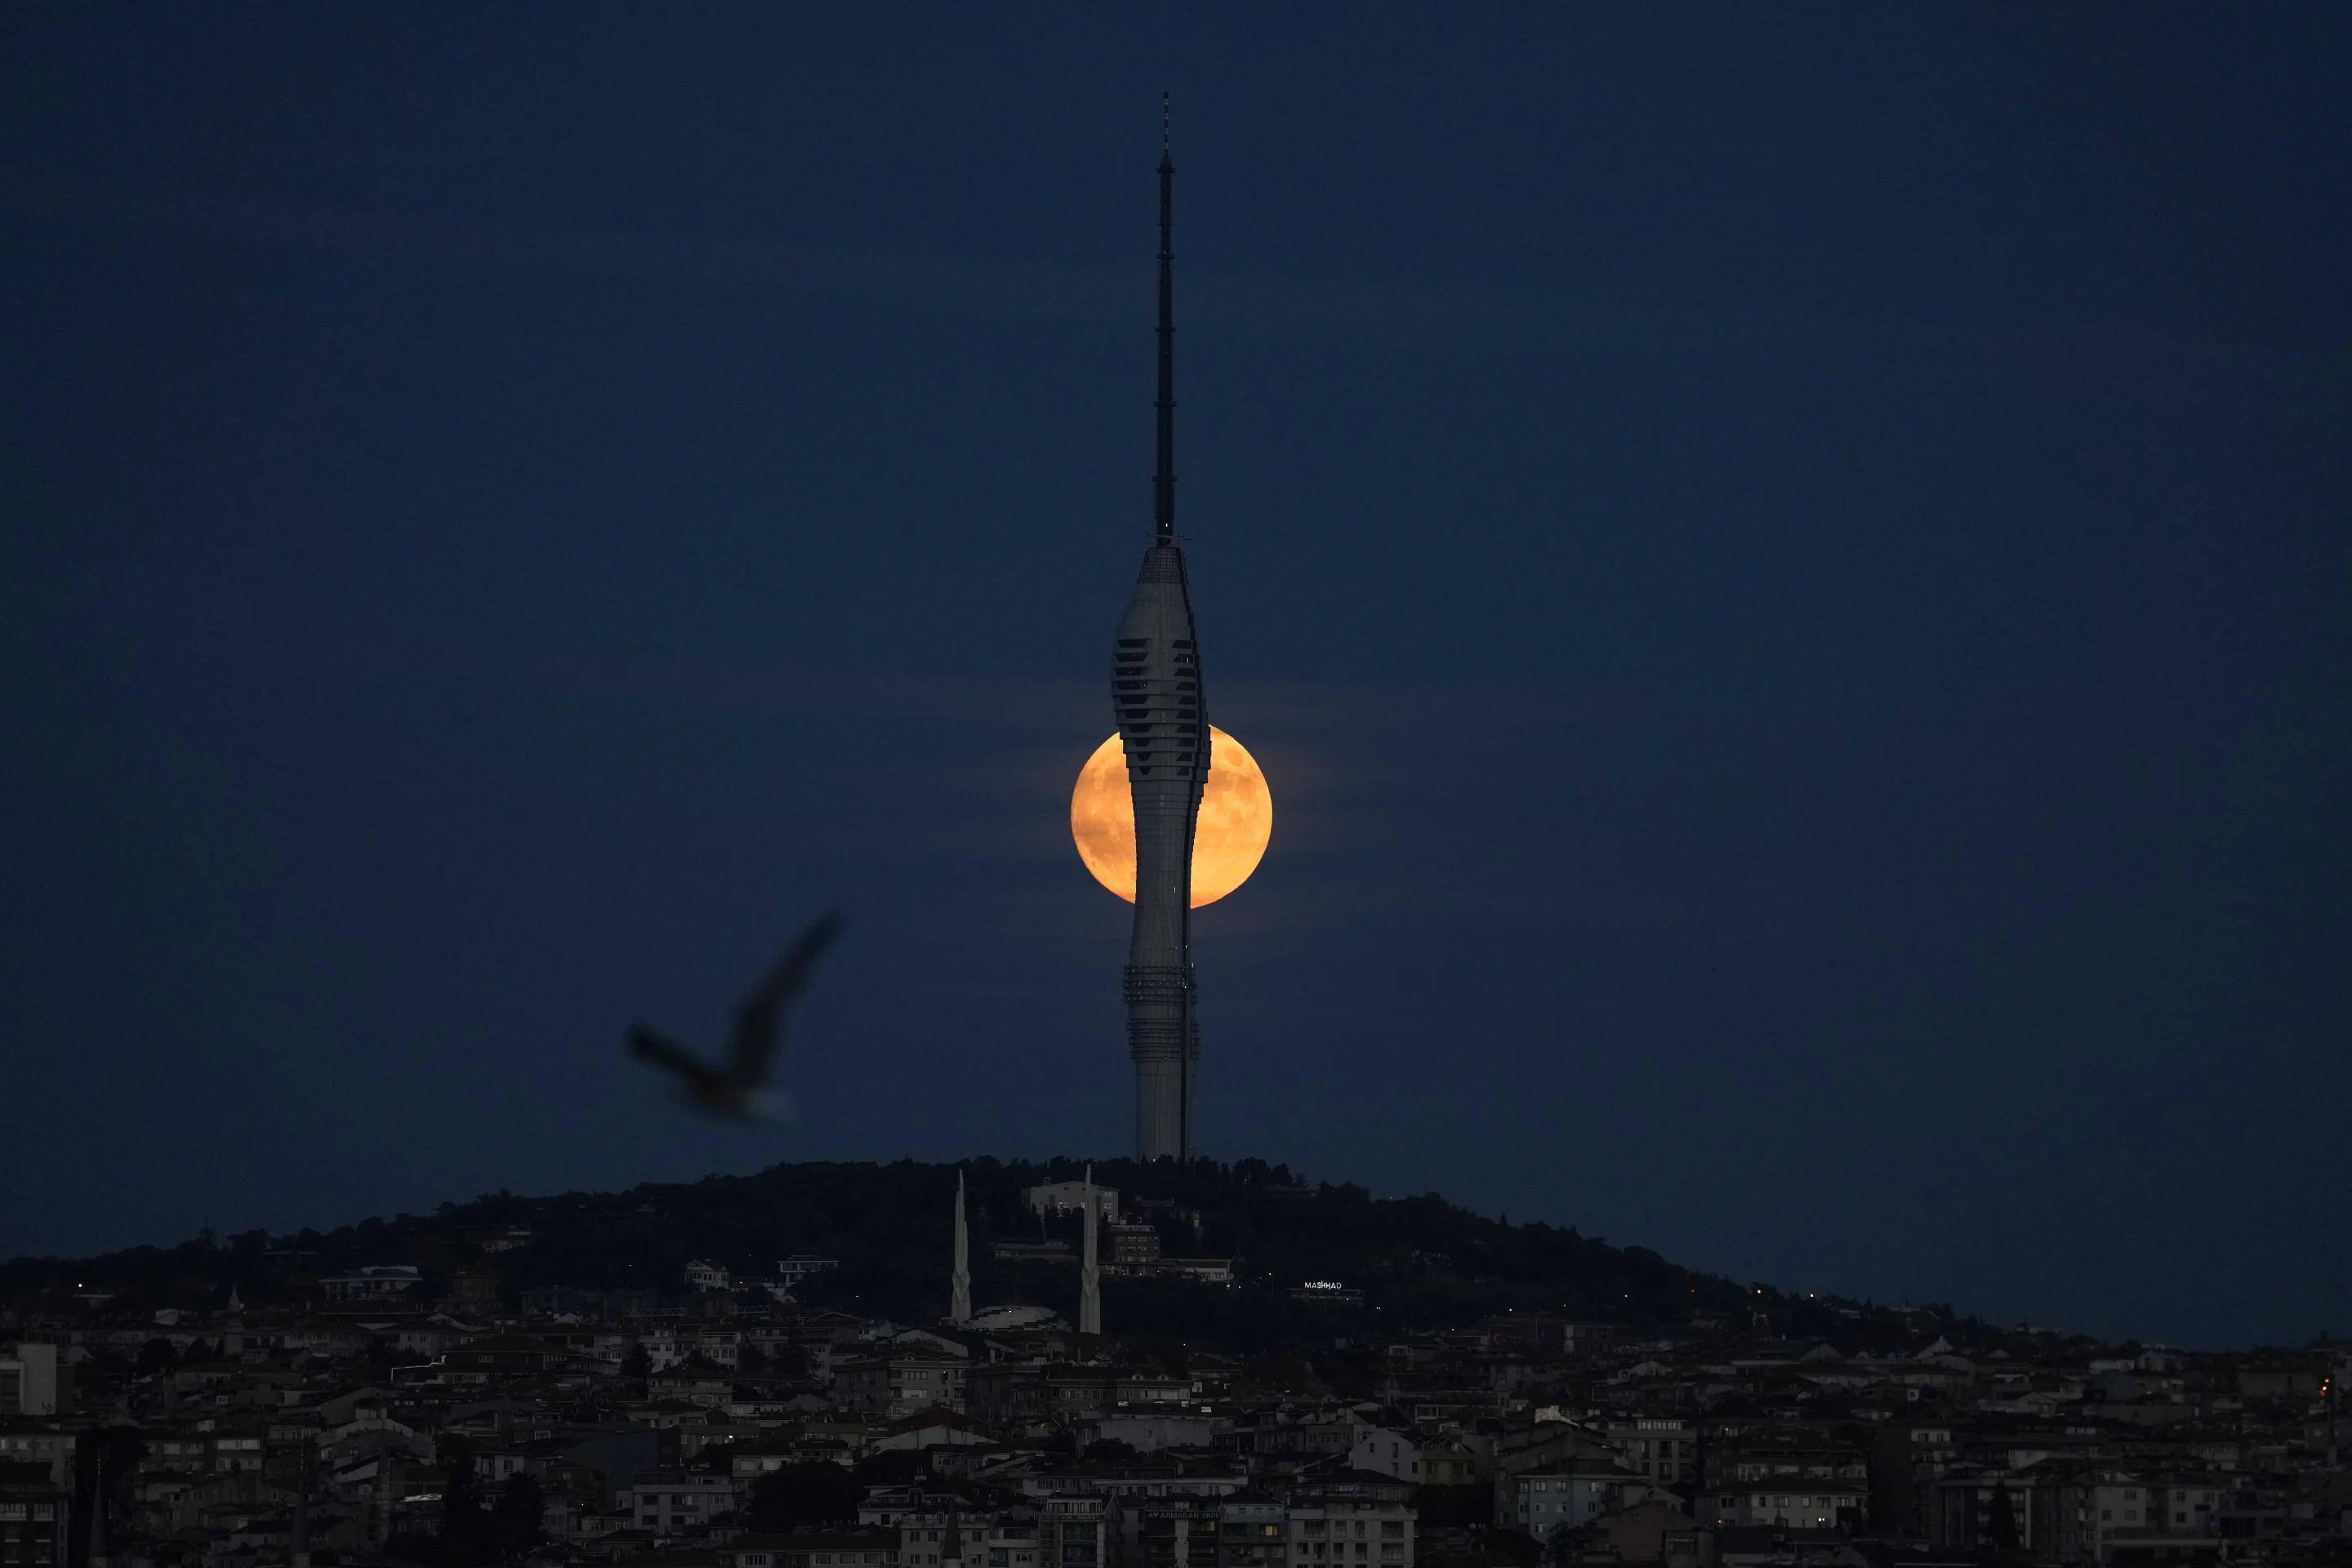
column 959, row 1280
column 1163, row 724
column 1089, row 1268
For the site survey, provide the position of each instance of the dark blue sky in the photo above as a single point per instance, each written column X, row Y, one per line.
column 1789, row 570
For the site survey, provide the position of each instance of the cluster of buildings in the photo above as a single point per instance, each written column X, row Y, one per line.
column 679, row 1425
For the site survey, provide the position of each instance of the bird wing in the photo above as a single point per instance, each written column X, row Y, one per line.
column 759, row 1017
column 650, row 1046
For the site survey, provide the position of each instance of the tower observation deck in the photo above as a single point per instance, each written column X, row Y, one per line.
column 1163, row 724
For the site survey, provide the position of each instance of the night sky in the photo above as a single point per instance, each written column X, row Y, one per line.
column 1789, row 569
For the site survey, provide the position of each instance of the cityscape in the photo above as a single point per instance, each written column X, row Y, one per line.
column 1304, row 1375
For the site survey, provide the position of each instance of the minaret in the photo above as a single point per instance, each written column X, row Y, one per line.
column 1089, row 1271
column 959, row 1282
column 1164, row 723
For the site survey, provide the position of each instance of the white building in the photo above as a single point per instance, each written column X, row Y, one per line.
column 1328, row 1528
column 1662, row 1448
column 1566, row 1494
column 674, row 1502
column 35, row 1381
column 894, row 1387
column 1790, row 1502
column 1388, row 1451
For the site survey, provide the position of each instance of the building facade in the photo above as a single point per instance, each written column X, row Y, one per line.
column 889, row 1388
column 36, row 1380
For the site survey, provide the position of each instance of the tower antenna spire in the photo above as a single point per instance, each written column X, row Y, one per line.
column 1164, row 483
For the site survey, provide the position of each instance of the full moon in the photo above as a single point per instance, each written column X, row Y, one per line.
column 1236, row 820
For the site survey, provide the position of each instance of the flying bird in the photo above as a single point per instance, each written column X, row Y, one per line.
column 738, row 1085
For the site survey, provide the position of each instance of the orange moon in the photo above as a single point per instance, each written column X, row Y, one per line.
column 1236, row 820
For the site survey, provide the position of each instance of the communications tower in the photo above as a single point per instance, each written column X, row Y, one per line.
column 1163, row 723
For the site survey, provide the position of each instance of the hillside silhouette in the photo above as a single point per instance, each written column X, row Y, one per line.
column 1420, row 1262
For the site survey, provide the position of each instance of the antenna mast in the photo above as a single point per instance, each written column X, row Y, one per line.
column 1164, row 483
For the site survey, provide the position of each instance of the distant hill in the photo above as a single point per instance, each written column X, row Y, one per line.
column 1420, row 1262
